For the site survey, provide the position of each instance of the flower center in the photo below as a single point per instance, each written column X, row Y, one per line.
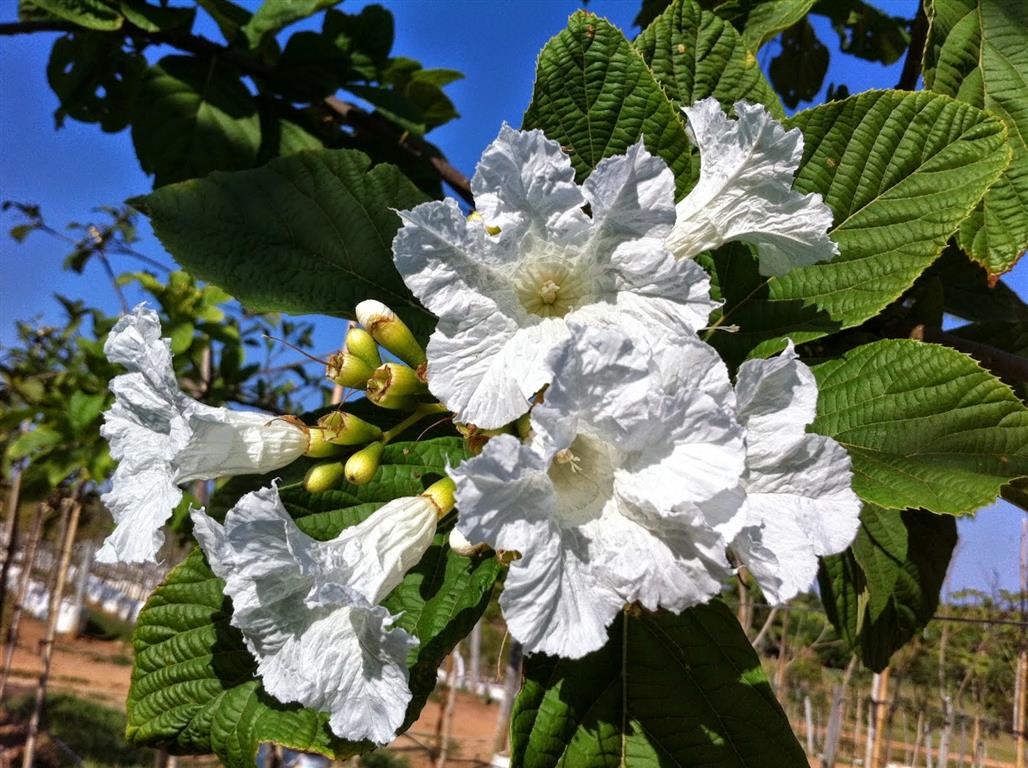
column 549, row 288
column 583, row 478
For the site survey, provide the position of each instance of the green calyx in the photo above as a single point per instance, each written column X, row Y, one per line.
column 343, row 428
column 361, row 467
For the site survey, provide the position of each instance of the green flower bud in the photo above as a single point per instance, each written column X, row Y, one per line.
column 318, row 446
column 348, row 370
column 359, row 342
column 395, row 386
column 390, row 331
column 362, row 466
column 442, row 495
column 346, row 429
column 323, row 476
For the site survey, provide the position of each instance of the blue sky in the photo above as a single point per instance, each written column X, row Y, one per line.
column 495, row 44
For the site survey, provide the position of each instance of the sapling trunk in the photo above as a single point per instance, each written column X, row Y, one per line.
column 73, row 508
column 28, row 563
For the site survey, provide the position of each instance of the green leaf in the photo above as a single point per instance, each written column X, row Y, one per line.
column 367, row 37
column 155, row 18
column 899, row 171
column 682, row 690
column 759, row 20
column 695, row 54
column 94, row 78
column 865, row 31
column 925, row 426
column 799, row 69
column 193, row 684
column 40, row 439
column 905, row 587
column 84, row 409
column 92, row 14
column 595, row 95
column 273, row 15
column 229, row 17
column 976, row 52
column 193, row 116
column 310, row 233
column 880, row 548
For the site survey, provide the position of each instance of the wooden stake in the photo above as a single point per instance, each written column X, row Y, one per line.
column 475, row 657
column 28, row 562
column 446, row 719
column 880, row 699
column 511, row 683
column 10, row 535
column 1021, row 685
column 74, row 506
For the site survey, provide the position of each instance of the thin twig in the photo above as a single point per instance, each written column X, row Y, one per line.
column 356, row 117
column 912, row 64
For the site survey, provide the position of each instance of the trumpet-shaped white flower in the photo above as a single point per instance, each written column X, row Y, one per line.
column 799, row 500
column 506, row 285
column 622, row 494
column 745, row 191
column 161, row 438
column 308, row 609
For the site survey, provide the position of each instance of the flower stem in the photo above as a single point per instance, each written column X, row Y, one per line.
column 423, row 410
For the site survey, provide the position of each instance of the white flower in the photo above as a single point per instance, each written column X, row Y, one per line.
column 799, row 500
column 506, row 284
column 745, row 191
column 620, row 495
column 162, row 438
column 308, row 609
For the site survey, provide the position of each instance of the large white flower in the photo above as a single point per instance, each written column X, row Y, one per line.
column 308, row 609
column 799, row 500
column 506, row 284
column 621, row 494
column 162, row 438
column 745, row 191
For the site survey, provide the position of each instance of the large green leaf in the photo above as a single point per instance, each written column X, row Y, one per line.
column 884, row 589
column 671, row 690
column 193, row 116
column 900, row 171
column 595, row 95
column 193, row 686
column 976, row 52
column 310, row 233
column 695, row 54
column 101, row 15
column 760, row 20
column 925, row 426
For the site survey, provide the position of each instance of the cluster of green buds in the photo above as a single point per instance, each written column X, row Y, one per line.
column 394, row 386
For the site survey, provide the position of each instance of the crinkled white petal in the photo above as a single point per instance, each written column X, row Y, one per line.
column 632, row 196
column 306, row 608
column 505, row 298
column 551, row 601
column 661, row 564
column 487, row 371
column 654, row 295
column 162, row 438
column 525, row 181
column 777, row 399
column 745, row 191
column 692, row 363
column 620, row 495
column 800, row 502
